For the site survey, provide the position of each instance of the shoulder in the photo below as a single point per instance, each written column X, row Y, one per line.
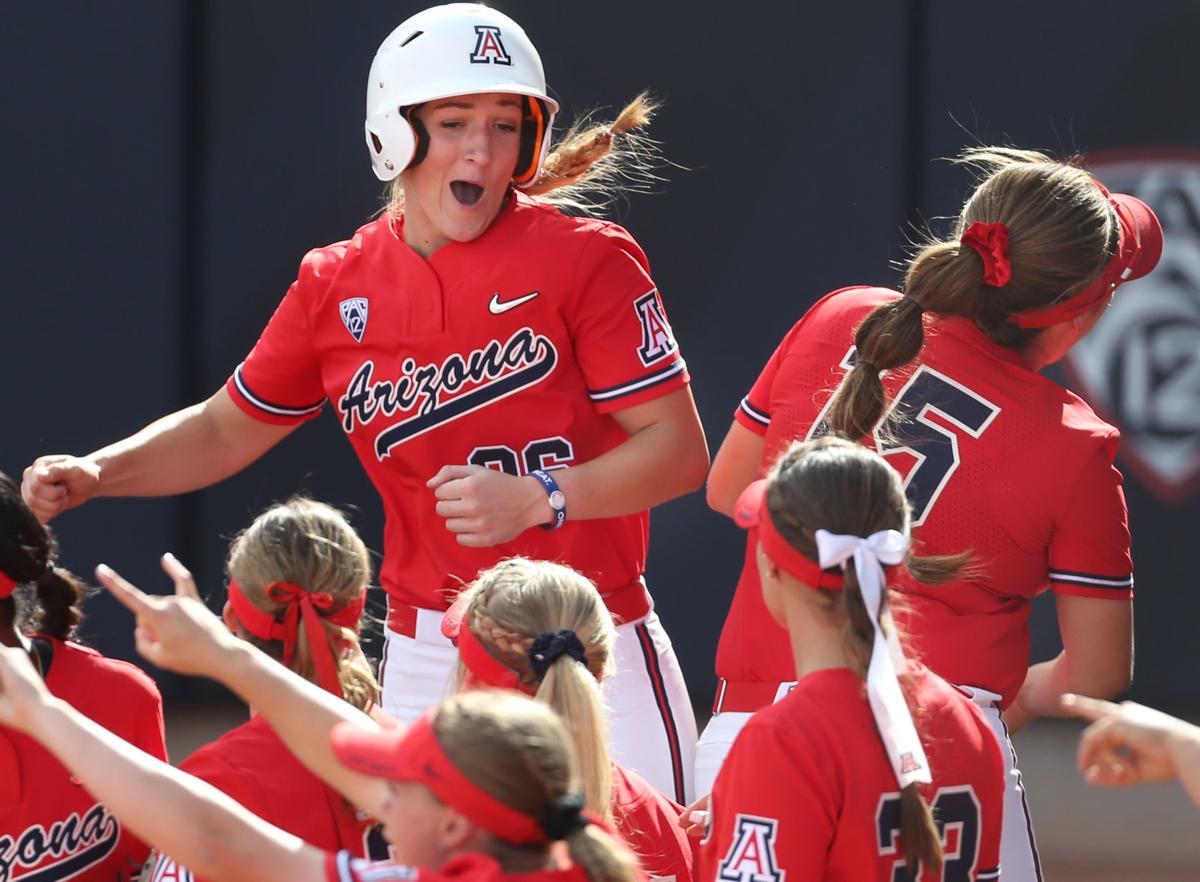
column 81, row 668
column 320, row 265
column 591, row 238
column 240, row 750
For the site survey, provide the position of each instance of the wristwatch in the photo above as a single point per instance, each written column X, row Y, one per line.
column 558, row 501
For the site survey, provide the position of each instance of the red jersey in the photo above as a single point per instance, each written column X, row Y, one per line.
column 997, row 459
column 808, row 793
column 510, row 351
column 51, row 828
column 251, row 764
column 648, row 823
column 342, row 867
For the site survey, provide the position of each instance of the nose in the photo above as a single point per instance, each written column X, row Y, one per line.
column 478, row 146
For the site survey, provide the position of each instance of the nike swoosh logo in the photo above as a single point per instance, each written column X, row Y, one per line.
column 496, row 307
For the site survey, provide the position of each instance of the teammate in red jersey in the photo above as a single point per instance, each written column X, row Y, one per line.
column 482, row 787
column 996, row 458
column 51, row 827
column 806, row 792
column 542, row 629
column 297, row 581
column 505, row 373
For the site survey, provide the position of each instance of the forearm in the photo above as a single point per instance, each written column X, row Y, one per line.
column 181, row 816
column 302, row 715
column 652, row 466
column 186, row 450
column 1045, row 683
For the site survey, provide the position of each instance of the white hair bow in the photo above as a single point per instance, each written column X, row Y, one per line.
column 892, row 716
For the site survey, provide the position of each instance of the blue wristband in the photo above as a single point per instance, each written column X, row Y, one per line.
column 558, row 502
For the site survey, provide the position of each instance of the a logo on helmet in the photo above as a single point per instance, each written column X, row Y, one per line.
column 1140, row 366
column 489, row 48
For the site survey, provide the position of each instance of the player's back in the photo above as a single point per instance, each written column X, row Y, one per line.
column 807, row 790
column 998, row 460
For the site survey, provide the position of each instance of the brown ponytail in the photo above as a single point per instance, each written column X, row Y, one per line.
column 833, row 484
column 27, row 553
column 1062, row 233
column 519, row 752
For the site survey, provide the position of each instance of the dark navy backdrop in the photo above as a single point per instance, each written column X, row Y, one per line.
column 168, row 163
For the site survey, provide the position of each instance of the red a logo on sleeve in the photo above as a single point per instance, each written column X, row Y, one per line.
column 751, row 857
column 657, row 339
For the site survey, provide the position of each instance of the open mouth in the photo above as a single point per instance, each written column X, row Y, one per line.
column 465, row 192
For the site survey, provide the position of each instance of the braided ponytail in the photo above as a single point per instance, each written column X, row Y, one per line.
column 27, row 553
column 509, row 606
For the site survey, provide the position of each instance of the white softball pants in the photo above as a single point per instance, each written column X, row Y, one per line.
column 651, row 724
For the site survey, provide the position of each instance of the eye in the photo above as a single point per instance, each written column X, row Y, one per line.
column 451, row 124
column 507, row 126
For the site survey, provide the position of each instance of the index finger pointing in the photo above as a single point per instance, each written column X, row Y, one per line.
column 185, row 585
column 1086, row 708
column 129, row 595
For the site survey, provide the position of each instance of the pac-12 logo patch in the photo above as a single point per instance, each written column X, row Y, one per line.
column 657, row 339
column 751, row 857
column 1140, row 366
column 489, row 48
column 354, row 316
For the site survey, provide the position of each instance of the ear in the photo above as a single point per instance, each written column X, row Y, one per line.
column 231, row 620
column 457, row 834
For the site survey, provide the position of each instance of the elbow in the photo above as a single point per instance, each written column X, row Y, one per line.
column 697, row 469
column 1106, row 684
column 718, row 498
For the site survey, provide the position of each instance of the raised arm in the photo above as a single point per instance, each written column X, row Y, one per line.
column 180, row 634
column 214, row 438
column 181, row 816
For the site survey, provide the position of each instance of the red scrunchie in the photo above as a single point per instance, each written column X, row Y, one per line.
column 990, row 242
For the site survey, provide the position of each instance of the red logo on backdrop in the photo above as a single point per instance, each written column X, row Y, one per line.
column 1140, row 366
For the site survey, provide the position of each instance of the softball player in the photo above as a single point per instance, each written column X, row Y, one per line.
column 51, row 828
column 997, row 458
column 297, row 581
column 505, row 373
column 542, row 629
column 481, row 787
column 806, row 791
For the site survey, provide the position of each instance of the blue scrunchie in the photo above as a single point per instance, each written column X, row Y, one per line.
column 548, row 647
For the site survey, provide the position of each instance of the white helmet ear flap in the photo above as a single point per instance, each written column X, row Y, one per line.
column 391, row 143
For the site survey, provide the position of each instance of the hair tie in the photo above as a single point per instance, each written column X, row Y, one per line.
column 867, row 364
column 7, row 585
column 914, row 301
column 565, row 816
column 892, row 716
column 548, row 647
column 990, row 242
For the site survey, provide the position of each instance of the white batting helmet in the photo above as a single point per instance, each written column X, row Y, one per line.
column 456, row 49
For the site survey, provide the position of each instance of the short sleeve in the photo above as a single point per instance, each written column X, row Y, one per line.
column 771, row 813
column 1089, row 548
column 754, row 411
column 280, row 380
column 623, row 342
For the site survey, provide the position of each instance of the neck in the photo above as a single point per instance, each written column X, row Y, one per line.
column 817, row 642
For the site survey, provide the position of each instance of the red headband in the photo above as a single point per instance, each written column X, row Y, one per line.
column 304, row 605
column 416, row 755
column 7, row 585
column 751, row 511
column 484, row 666
column 1139, row 246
